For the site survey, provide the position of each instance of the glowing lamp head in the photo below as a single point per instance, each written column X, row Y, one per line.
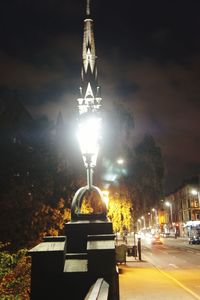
column 194, row 192
column 120, row 161
column 89, row 131
column 167, row 203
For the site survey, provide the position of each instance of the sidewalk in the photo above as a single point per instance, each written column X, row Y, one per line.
column 140, row 280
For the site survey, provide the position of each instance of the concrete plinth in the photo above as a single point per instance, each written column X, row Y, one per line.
column 70, row 265
column 102, row 261
column 77, row 233
column 47, row 268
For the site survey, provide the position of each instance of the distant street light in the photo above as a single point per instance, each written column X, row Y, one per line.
column 169, row 204
column 155, row 215
column 144, row 222
column 149, row 219
column 195, row 192
column 120, row 161
column 139, row 222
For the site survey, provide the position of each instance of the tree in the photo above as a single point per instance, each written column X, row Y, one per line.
column 32, row 185
column 120, row 208
column 146, row 173
column 15, row 274
column 24, row 223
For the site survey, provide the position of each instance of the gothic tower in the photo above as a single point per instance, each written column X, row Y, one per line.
column 90, row 98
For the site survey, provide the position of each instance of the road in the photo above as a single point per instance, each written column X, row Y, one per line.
column 167, row 271
column 178, row 260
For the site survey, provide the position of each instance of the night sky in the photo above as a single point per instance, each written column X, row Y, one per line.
column 148, row 58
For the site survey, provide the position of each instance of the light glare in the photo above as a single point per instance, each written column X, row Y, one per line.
column 194, row 192
column 88, row 137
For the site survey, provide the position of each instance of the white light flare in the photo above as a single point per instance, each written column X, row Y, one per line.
column 89, row 134
column 105, row 197
column 194, row 192
column 120, row 161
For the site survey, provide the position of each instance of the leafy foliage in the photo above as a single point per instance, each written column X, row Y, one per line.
column 35, row 179
column 120, row 209
column 91, row 203
column 31, row 221
column 14, row 275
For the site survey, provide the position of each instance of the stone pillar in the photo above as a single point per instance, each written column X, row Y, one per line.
column 102, row 261
column 47, row 268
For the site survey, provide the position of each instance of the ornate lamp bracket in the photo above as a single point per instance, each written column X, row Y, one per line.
column 76, row 214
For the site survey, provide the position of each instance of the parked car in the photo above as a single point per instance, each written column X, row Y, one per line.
column 195, row 239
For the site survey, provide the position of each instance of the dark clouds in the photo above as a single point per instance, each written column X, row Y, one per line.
column 149, row 59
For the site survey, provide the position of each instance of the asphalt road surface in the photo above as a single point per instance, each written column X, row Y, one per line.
column 178, row 260
column 170, row 271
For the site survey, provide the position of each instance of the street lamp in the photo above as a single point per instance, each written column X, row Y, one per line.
column 144, row 222
column 149, row 219
column 155, row 215
column 87, row 251
column 195, row 192
column 120, row 161
column 139, row 224
column 169, row 204
column 89, row 133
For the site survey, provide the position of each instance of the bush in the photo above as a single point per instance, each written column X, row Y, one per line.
column 15, row 275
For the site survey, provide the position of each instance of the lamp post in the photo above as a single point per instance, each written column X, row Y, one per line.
column 144, row 222
column 196, row 205
column 89, row 135
column 139, row 224
column 149, row 219
column 87, row 250
column 169, row 204
column 154, row 210
column 84, row 230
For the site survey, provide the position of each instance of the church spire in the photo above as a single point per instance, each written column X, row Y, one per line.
column 89, row 91
column 88, row 8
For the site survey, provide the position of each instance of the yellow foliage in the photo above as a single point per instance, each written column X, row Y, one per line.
column 91, row 203
column 53, row 232
column 54, row 219
column 67, row 214
column 61, row 203
column 119, row 212
column 86, row 207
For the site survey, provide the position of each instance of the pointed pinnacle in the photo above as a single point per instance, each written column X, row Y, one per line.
column 88, row 8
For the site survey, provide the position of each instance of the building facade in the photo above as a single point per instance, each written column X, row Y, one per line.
column 183, row 211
